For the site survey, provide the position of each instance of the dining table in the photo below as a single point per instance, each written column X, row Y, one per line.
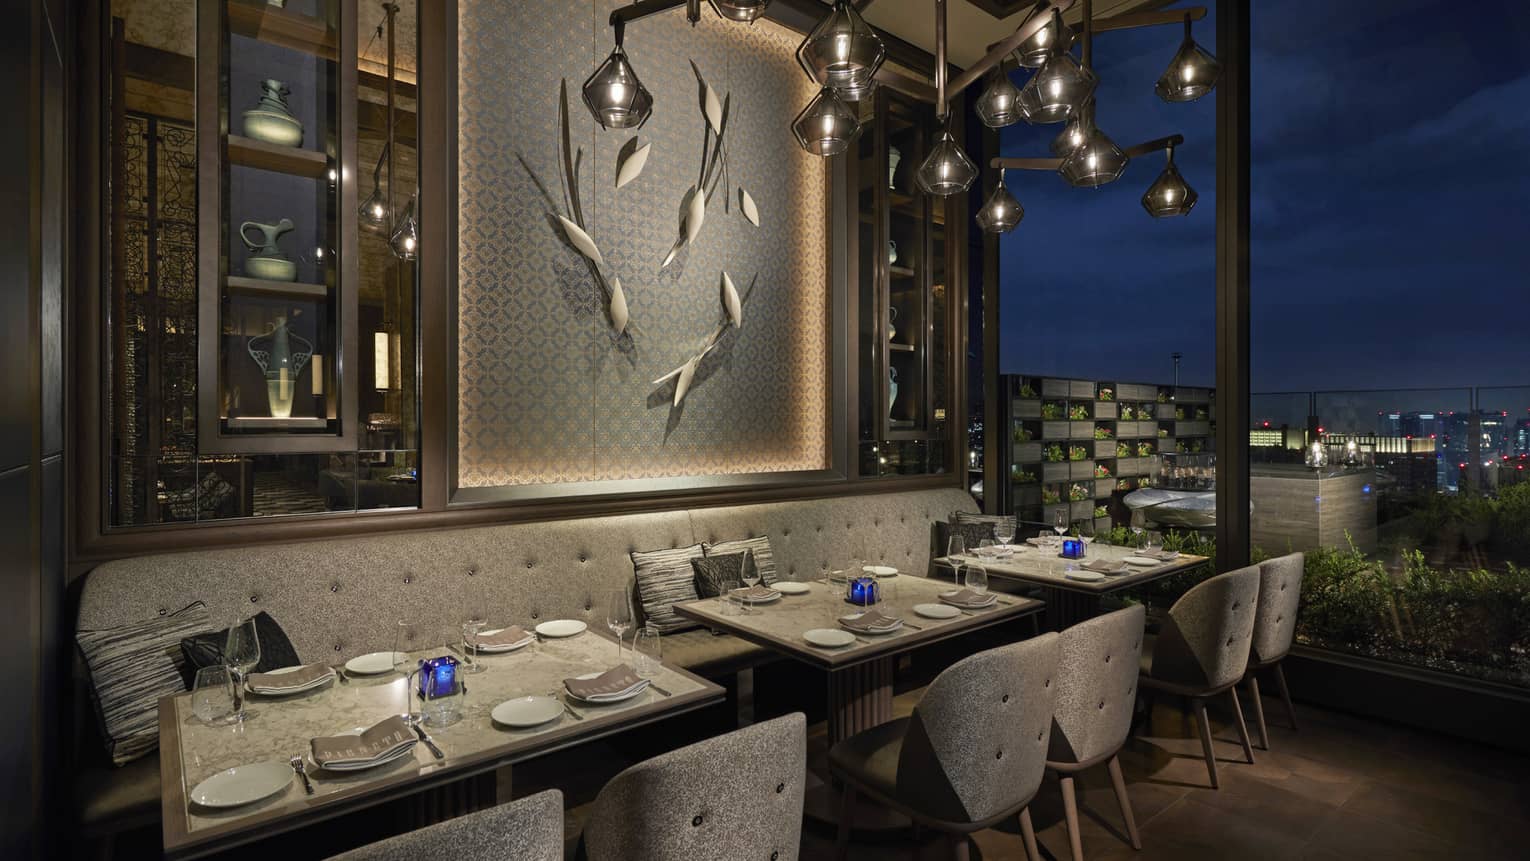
column 473, row 747
column 1072, row 592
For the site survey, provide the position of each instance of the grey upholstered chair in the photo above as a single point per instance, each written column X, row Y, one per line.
column 738, row 795
column 971, row 755
column 530, row 829
column 1096, row 693
column 1280, row 593
column 1202, row 650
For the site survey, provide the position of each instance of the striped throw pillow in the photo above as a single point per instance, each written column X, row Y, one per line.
column 760, row 547
column 664, row 579
column 131, row 668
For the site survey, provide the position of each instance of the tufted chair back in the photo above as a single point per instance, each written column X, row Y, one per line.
column 735, row 796
column 1280, row 591
column 530, row 829
column 1205, row 641
column 1096, row 685
column 976, row 745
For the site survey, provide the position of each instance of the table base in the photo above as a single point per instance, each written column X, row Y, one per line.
column 860, row 697
column 1066, row 608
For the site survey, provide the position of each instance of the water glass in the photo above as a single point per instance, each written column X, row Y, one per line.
column 956, row 548
column 977, row 579
column 619, row 616
column 1060, row 521
column 441, row 707
column 241, row 653
column 212, row 694
column 1153, row 543
column 647, row 653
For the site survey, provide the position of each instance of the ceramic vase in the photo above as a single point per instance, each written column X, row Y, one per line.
column 282, row 355
column 892, row 252
column 271, row 119
column 892, row 388
column 893, row 157
column 266, row 259
column 892, row 330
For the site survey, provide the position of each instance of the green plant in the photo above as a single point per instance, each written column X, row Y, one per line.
column 1126, row 412
column 1022, row 434
column 1123, row 484
column 1511, row 535
column 1020, row 475
column 1078, row 413
column 1078, row 493
column 1144, row 449
column 1201, row 413
column 1163, row 397
column 1077, row 452
column 1180, row 447
column 1101, row 471
column 1101, row 511
column 1106, row 394
column 1026, row 391
column 1101, row 432
column 1179, row 413
column 1123, row 449
column 1050, row 496
column 1051, row 410
column 1163, row 432
column 1053, row 453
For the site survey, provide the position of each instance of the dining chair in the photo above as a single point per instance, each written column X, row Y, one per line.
column 970, row 756
column 1096, row 693
column 1280, row 594
column 738, row 795
column 530, row 829
column 1202, row 651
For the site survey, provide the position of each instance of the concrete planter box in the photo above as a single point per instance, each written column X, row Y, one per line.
column 1081, row 510
column 1051, row 472
column 1054, row 430
column 1027, row 452
column 1200, row 428
column 1027, row 494
column 1104, row 449
column 1048, row 512
column 1081, row 390
column 1081, row 430
column 1054, row 388
column 1027, row 408
column 1105, row 410
column 1081, row 469
column 1102, row 524
column 1136, row 392
column 1128, row 467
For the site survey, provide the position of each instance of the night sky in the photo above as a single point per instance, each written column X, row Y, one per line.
column 1391, row 208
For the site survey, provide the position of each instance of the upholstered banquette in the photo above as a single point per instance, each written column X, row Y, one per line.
column 337, row 598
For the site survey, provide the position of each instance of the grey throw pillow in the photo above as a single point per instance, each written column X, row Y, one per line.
column 759, row 547
column 131, row 668
column 664, row 579
column 716, row 570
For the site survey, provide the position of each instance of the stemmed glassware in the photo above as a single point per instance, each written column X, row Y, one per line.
column 212, row 695
column 956, row 548
column 977, row 578
column 1139, row 521
column 1004, row 531
column 470, row 631
column 1152, row 543
column 241, row 653
column 619, row 617
column 750, row 574
column 1060, row 522
column 646, row 652
column 1086, row 534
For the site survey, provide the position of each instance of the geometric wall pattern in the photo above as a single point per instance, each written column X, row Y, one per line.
column 545, row 393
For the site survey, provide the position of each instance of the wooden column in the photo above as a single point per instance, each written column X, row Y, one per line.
column 1232, row 326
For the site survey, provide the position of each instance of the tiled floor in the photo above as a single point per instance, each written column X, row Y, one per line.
column 1342, row 787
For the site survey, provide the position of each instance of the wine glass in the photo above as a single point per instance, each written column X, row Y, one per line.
column 1153, row 543
column 212, row 694
column 1086, row 534
column 956, row 548
column 470, row 631
column 1139, row 522
column 646, row 652
column 984, row 548
column 619, row 617
column 1060, row 522
column 977, row 579
column 1004, row 531
column 749, row 573
column 241, row 653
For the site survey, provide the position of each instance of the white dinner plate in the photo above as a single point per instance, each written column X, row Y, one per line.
column 602, row 699
column 283, row 692
column 937, row 611
column 363, row 766
column 374, row 662
column 788, row 587
column 873, row 633
column 757, row 601
column 1085, row 576
column 880, row 570
column 243, row 784
column 527, row 711
column 1143, row 561
column 561, row 628
column 495, row 650
column 831, row 637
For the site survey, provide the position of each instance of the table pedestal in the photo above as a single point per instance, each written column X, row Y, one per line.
column 860, row 697
column 1065, row 607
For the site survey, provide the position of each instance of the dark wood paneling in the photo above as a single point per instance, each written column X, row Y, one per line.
column 1232, row 315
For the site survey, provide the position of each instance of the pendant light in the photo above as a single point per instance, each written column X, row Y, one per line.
column 1001, row 212
column 405, row 240
column 1057, row 90
column 827, row 125
column 842, row 52
column 373, row 212
column 1034, row 52
column 946, row 170
column 999, row 105
column 1074, row 133
column 613, row 93
column 1169, row 195
column 743, row 11
column 1191, row 74
column 1095, row 162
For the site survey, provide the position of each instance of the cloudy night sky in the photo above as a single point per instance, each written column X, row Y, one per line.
column 1391, row 208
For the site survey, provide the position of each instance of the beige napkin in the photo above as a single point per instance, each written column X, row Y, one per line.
column 617, row 680
column 307, row 674
column 757, row 592
column 967, row 598
column 388, row 736
column 1161, row 555
column 508, row 637
column 871, row 620
column 1105, row 566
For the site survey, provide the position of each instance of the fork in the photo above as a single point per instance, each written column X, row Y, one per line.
column 566, row 707
column 297, row 766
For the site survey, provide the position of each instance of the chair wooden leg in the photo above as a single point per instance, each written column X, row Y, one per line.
column 1028, row 833
column 1237, row 707
column 1119, row 782
column 1199, row 707
column 1070, row 812
column 846, row 811
column 1285, row 692
column 1264, row 732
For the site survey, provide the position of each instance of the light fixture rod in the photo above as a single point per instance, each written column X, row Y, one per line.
column 1137, row 151
column 940, row 59
column 1133, row 20
column 1088, row 49
column 1038, row 18
column 644, row 8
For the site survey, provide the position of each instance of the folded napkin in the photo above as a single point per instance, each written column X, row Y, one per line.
column 383, row 740
column 1105, row 566
column 968, row 598
column 300, row 677
column 617, row 680
column 1039, row 541
column 1161, row 555
column 508, row 637
column 872, row 620
column 757, row 592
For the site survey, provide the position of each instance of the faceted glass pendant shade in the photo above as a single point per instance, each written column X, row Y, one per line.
column 827, row 125
column 1034, row 52
column 947, row 170
column 373, row 212
column 405, row 240
column 999, row 105
column 1075, row 132
column 1001, row 212
column 745, row 11
column 615, row 96
column 1095, row 163
column 842, row 52
column 1169, row 195
column 1056, row 90
column 1191, row 74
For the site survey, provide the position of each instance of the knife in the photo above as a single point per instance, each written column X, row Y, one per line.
column 420, row 731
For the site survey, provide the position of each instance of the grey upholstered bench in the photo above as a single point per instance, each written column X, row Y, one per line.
column 337, row 598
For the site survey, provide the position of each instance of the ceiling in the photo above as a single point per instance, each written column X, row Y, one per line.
column 972, row 25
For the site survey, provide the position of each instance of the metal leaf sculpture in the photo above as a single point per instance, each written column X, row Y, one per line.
column 746, row 206
column 573, row 223
column 618, row 306
column 581, row 241
column 731, row 303
column 713, row 166
column 696, row 215
column 630, row 161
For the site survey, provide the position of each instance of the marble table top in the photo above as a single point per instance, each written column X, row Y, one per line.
column 1045, row 567
column 780, row 625
column 279, row 728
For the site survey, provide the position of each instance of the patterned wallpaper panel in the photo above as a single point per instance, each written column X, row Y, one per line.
column 546, row 393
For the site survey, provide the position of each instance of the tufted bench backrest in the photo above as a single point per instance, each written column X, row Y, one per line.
column 338, row 598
